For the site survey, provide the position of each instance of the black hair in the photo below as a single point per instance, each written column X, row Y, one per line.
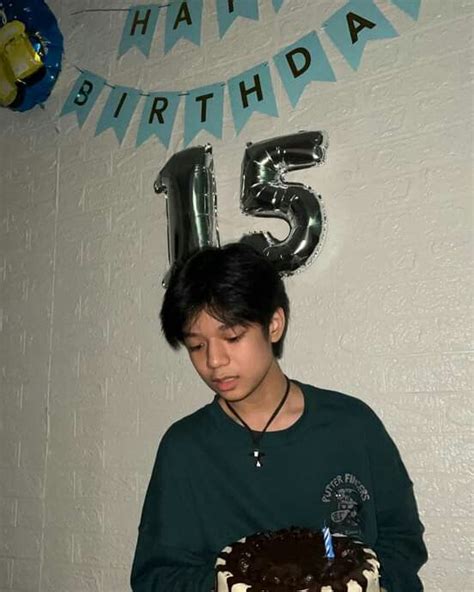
column 235, row 283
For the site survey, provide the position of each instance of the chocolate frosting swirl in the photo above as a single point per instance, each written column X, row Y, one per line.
column 293, row 560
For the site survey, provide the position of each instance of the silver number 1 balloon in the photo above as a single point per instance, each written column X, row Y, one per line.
column 266, row 193
column 188, row 182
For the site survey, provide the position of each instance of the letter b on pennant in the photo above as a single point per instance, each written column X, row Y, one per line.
column 83, row 96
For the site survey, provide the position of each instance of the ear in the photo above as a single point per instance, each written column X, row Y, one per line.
column 277, row 325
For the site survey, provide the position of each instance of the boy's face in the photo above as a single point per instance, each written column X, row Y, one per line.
column 232, row 361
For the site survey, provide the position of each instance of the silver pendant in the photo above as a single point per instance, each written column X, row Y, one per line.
column 258, row 457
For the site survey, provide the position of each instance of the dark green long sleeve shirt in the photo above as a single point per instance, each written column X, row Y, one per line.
column 336, row 465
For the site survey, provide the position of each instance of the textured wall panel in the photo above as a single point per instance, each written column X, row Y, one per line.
column 88, row 385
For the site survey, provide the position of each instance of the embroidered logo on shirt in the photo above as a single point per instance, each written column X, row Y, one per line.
column 346, row 493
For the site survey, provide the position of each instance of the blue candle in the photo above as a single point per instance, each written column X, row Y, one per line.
column 328, row 543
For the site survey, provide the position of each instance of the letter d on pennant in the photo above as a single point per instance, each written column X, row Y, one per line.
column 301, row 63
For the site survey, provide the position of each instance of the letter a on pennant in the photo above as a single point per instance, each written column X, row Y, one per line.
column 183, row 21
column 356, row 23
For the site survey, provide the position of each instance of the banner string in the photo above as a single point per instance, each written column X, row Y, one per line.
column 143, row 94
column 113, row 9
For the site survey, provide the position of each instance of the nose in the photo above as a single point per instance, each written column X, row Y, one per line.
column 216, row 354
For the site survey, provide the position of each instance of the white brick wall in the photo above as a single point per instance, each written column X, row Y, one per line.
column 87, row 383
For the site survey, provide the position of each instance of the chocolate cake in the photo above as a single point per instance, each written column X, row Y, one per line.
column 294, row 560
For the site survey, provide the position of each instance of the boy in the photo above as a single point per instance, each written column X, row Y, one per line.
column 267, row 453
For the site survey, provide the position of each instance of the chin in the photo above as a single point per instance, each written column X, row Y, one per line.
column 234, row 396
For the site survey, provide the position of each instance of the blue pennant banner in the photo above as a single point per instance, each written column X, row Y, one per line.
column 229, row 10
column 118, row 111
column 204, row 110
column 411, row 7
column 302, row 62
column 83, row 96
column 305, row 61
column 139, row 28
column 277, row 4
column 356, row 23
column 183, row 21
column 251, row 91
column 159, row 114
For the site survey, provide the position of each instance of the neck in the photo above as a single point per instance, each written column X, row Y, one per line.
column 263, row 400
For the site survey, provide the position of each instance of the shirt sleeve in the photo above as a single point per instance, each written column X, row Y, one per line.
column 169, row 555
column 399, row 544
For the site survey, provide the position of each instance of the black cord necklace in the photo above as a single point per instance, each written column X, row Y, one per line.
column 257, row 436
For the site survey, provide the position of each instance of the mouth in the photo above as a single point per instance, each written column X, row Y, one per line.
column 226, row 383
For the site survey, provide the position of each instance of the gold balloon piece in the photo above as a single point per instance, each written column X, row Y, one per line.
column 18, row 60
column 8, row 87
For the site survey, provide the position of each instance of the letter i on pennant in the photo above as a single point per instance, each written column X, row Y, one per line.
column 118, row 111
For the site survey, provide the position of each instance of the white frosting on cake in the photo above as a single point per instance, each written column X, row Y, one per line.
column 222, row 585
column 372, row 577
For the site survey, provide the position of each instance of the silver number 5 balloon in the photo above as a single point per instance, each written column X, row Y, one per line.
column 266, row 193
column 188, row 182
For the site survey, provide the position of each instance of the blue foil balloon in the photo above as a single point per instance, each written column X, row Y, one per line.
column 46, row 38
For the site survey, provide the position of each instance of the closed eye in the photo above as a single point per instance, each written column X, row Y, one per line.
column 193, row 348
column 235, row 338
